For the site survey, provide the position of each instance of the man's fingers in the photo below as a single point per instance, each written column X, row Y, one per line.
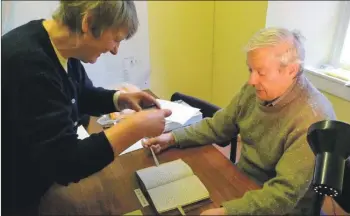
column 152, row 143
column 143, row 142
column 149, row 142
column 156, row 148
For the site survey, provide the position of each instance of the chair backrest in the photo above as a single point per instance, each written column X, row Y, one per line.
column 343, row 199
column 208, row 110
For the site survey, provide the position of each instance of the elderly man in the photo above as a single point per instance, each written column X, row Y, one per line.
column 45, row 89
column 272, row 113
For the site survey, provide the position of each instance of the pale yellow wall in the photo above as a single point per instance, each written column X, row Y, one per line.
column 341, row 107
column 235, row 23
column 196, row 47
column 181, row 41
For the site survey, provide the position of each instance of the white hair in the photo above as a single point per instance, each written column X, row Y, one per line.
column 275, row 36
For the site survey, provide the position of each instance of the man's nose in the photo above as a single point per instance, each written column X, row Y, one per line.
column 253, row 78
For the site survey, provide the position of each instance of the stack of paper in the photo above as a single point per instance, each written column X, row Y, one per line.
column 182, row 114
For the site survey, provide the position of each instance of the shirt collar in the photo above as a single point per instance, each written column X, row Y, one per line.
column 278, row 99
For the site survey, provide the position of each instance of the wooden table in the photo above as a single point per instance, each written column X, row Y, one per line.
column 111, row 191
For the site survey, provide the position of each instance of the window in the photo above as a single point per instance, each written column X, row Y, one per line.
column 345, row 53
column 334, row 77
column 341, row 50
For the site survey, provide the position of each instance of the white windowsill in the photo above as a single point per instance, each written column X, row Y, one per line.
column 329, row 84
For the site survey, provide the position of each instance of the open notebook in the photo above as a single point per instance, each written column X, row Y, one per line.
column 171, row 185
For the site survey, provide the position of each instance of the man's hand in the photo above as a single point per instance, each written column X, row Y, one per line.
column 134, row 100
column 215, row 211
column 159, row 143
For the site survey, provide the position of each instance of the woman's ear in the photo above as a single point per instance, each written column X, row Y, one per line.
column 86, row 22
column 88, row 26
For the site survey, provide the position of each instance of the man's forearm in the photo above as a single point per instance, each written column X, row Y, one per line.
column 196, row 134
column 220, row 128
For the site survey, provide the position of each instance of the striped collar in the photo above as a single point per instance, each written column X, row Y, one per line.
column 278, row 99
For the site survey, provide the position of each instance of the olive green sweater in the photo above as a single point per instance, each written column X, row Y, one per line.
column 274, row 150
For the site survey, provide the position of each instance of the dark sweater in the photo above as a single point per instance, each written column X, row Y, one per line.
column 41, row 105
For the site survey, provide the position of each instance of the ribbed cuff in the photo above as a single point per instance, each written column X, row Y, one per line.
column 226, row 206
column 179, row 136
column 104, row 152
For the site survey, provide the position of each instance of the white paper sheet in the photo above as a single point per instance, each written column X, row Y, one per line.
column 82, row 133
column 134, row 147
column 180, row 113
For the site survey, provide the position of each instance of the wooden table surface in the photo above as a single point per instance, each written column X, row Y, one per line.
column 111, row 191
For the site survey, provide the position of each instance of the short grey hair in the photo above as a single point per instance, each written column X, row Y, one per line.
column 105, row 14
column 274, row 36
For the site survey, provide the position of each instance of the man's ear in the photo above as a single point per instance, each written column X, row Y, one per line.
column 293, row 69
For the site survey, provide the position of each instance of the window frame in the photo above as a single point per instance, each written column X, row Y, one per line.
column 324, row 82
column 339, row 37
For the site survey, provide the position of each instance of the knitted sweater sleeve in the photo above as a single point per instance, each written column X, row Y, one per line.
column 220, row 128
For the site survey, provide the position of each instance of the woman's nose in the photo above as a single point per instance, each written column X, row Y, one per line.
column 114, row 51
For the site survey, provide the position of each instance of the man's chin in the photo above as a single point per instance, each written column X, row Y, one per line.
column 263, row 97
column 260, row 95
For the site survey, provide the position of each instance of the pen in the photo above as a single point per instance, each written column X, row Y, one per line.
column 152, row 106
column 154, row 157
column 181, row 210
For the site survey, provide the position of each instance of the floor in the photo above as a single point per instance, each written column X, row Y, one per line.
column 328, row 204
